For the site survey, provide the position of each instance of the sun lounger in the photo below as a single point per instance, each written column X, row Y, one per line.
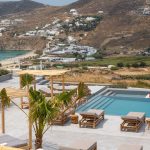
column 6, row 140
column 91, row 118
column 130, row 147
column 64, row 117
column 80, row 145
column 133, row 121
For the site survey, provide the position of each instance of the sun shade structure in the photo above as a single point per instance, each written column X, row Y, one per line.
column 16, row 93
column 49, row 73
column 43, row 72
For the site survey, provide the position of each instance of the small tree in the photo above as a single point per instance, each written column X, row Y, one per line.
column 5, row 102
column 42, row 113
column 26, row 80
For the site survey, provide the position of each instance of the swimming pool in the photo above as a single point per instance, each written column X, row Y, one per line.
column 119, row 102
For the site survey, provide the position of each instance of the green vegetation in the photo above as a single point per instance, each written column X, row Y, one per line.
column 136, row 77
column 127, row 61
column 3, row 72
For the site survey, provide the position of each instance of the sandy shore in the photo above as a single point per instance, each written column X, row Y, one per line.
column 15, row 60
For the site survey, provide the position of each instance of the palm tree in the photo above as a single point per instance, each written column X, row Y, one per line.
column 5, row 102
column 26, row 80
column 83, row 90
column 42, row 113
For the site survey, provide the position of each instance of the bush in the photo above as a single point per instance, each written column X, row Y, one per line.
column 128, row 65
column 114, row 68
column 135, row 65
column 142, row 64
column 3, row 72
column 120, row 65
column 136, row 77
column 98, row 55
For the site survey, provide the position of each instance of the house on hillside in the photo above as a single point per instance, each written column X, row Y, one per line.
column 74, row 12
column 146, row 11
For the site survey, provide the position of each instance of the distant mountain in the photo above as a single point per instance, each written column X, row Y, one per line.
column 11, row 7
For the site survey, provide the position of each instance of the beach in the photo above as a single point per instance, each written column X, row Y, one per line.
column 15, row 60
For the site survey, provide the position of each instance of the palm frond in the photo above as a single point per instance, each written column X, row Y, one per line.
column 5, row 99
column 26, row 79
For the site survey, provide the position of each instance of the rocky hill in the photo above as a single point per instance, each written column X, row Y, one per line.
column 12, row 7
column 123, row 29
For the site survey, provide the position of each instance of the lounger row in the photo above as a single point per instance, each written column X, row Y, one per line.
column 132, row 122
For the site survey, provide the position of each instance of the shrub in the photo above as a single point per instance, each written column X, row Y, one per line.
column 3, row 72
column 142, row 64
column 135, row 65
column 114, row 68
column 128, row 65
column 120, row 65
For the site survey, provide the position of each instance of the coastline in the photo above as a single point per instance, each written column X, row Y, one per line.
column 15, row 60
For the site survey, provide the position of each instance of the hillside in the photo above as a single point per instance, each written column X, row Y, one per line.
column 123, row 30
column 12, row 7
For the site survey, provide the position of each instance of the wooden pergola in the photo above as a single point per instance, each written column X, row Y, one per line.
column 16, row 93
column 49, row 73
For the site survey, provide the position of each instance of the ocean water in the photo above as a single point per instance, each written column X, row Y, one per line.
column 11, row 54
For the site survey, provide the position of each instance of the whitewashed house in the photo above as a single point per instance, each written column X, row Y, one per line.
column 74, row 12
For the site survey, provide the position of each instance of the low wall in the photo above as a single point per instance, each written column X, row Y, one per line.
column 5, row 77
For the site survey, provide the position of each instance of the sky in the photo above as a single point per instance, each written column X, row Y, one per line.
column 50, row 2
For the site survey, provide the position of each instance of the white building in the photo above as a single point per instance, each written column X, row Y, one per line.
column 5, row 23
column 90, row 19
column 74, row 12
column 146, row 11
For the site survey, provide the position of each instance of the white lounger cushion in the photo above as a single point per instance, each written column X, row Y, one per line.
column 80, row 145
column 96, row 111
column 130, row 147
column 140, row 115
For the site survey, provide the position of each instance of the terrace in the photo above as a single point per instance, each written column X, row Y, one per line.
column 107, row 134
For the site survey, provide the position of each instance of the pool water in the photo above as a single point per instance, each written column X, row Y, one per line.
column 119, row 104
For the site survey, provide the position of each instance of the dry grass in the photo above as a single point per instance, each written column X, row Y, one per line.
column 106, row 77
column 133, row 71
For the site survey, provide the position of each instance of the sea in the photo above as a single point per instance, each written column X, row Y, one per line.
column 7, row 54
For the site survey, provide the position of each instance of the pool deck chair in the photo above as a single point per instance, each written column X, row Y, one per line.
column 130, row 147
column 80, row 145
column 7, row 140
column 64, row 117
column 133, row 121
column 91, row 118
